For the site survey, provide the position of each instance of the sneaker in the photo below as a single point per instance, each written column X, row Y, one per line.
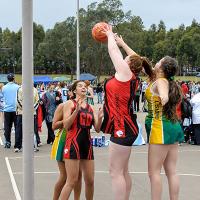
column 40, row 144
column 7, row 145
column 36, row 149
column 17, row 150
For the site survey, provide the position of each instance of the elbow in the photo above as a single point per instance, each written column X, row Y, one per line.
column 65, row 125
column 164, row 100
column 53, row 127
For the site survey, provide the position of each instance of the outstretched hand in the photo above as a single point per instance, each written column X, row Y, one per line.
column 119, row 40
column 107, row 30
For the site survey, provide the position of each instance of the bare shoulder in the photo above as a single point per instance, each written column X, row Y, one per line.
column 162, row 81
column 68, row 104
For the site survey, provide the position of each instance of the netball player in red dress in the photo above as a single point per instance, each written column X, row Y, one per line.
column 78, row 152
column 119, row 119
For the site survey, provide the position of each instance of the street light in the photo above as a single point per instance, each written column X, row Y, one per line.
column 77, row 45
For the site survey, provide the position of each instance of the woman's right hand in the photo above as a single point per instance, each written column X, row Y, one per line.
column 78, row 105
column 107, row 30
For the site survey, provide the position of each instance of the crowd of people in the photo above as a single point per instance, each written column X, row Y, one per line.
column 46, row 99
column 173, row 107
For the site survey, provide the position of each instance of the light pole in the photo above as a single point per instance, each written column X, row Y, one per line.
column 77, row 44
column 27, row 85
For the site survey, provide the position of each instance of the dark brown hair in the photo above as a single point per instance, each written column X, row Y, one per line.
column 169, row 67
column 147, row 65
column 74, row 85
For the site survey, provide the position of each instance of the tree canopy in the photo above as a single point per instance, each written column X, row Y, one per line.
column 55, row 49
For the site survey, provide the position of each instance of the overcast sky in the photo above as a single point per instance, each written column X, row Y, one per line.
column 48, row 12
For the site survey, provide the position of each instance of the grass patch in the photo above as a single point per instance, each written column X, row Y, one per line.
column 18, row 77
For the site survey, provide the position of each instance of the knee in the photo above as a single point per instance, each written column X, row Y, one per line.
column 115, row 173
column 72, row 182
column 89, row 181
column 62, row 179
column 170, row 173
column 112, row 172
column 154, row 175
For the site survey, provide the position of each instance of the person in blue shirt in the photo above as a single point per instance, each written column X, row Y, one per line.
column 64, row 91
column 1, row 106
column 9, row 92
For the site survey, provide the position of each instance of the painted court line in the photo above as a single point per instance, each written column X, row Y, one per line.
column 1, row 142
column 20, row 157
column 107, row 172
column 14, row 185
column 99, row 154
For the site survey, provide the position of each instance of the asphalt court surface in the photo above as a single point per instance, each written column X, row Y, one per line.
column 46, row 172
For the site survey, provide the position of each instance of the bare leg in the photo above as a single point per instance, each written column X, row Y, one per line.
column 128, row 181
column 1, row 120
column 170, row 171
column 72, row 169
column 61, row 180
column 118, row 164
column 156, row 156
column 77, row 188
column 87, row 167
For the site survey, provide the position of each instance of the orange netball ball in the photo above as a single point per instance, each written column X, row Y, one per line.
column 97, row 33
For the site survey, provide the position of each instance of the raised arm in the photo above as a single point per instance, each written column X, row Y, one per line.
column 120, row 42
column 119, row 63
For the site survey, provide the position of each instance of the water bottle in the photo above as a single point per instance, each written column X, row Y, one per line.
column 103, row 138
column 95, row 141
column 91, row 141
column 99, row 142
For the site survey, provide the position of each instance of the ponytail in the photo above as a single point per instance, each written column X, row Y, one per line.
column 148, row 68
column 174, row 94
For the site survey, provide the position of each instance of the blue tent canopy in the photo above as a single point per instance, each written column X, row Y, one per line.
column 61, row 78
column 88, row 77
column 42, row 79
column 3, row 78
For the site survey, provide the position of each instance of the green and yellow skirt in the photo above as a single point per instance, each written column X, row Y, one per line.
column 163, row 131
column 58, row 145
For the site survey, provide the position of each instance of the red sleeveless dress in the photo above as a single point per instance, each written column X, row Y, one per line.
column 78, row 139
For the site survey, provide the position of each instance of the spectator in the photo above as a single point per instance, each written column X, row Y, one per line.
column 1, row 106
column 195, row 102
column 99, row 91
column 9, row 92
column 184, row 88
column 19, row 112
column 90, row 93
column 63, row 91
column 137, row 98
column 144, row 87
column 49, row 100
